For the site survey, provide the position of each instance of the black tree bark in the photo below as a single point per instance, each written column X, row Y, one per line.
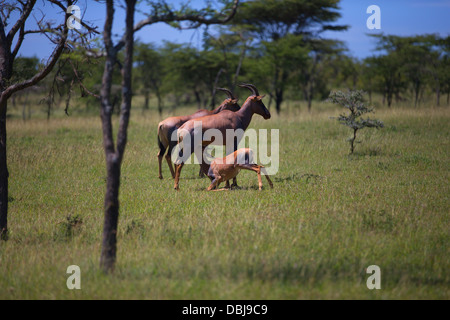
column 3, row 175
column 9, row 48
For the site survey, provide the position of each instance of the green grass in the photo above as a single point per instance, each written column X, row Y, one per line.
column 328, row 218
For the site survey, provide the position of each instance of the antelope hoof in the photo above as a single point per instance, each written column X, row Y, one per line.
column 235, row 187
column 160, row 177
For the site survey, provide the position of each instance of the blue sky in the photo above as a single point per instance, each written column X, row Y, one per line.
column 398, row 17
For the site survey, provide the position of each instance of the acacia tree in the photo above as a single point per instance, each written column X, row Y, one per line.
column 353, row 101
column 271, row 21
column 232, row 42
column 10, row 43
column 311, row 74
column 160, row 12
column 150, row 72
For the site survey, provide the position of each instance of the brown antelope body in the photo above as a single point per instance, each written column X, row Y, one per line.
column 223, row 121
column 171, row 124
column 225, row 169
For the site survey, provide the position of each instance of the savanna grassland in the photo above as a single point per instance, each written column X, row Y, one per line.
column 328, row 218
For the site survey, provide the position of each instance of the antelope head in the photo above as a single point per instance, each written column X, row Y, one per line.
column 255, row 99
column 230, row 103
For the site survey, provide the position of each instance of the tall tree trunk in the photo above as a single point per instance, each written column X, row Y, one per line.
column 49, row 107
column 160, row 104
column 216, row 82
column 309, row 103
column 198, row 99
column 24, row 108
column 278, row 100
column 416, row 93
column 111, row 205
column 238, row 68
column 3, row 174
column 146, row 99
column 160, row 100
column 389, row 95
column 114, row 156
column 5, row 75
column 438, row 95
column 389, row 99
column 310, row 94
column 270, row 101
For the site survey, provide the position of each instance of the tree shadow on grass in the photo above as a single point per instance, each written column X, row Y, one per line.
column 298, row 176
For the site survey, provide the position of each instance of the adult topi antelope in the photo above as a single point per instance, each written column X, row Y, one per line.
column 171, row 124
column 225, row 169
column 222, row 122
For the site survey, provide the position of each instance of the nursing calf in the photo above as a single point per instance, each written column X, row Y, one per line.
column 227, row 168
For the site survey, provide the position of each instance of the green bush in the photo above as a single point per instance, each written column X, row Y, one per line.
column 354, row 102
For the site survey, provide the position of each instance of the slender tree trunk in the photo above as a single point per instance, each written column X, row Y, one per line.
column 438, row 95
column 24, row 108
column 160, row 101
column 216, row 81
column 198, row 99
column 278, row 99
column 5, row 75
column 416, row 93
column 49, row 107
column 389, row 97
column 352, row 141
column 238, row 68
column 4, row 175
column 111, row 205
column 147, row 99
column 310, row 94
column 270, row 101
column 309, row 103
column 114, row 157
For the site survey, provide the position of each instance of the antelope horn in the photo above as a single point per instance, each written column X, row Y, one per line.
column 250, row 87
column 228, row 92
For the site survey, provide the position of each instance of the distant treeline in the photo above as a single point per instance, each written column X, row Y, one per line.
column 275, row 45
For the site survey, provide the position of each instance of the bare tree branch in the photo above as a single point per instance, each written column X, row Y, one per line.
column 9, row 8
column 45, row 71
column 19, row 41
column 89, row 92
column 20, row 22
column 197, row 19
column 88, row 27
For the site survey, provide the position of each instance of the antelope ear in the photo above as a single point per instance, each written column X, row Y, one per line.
column 260, row 97
column 234, row 100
